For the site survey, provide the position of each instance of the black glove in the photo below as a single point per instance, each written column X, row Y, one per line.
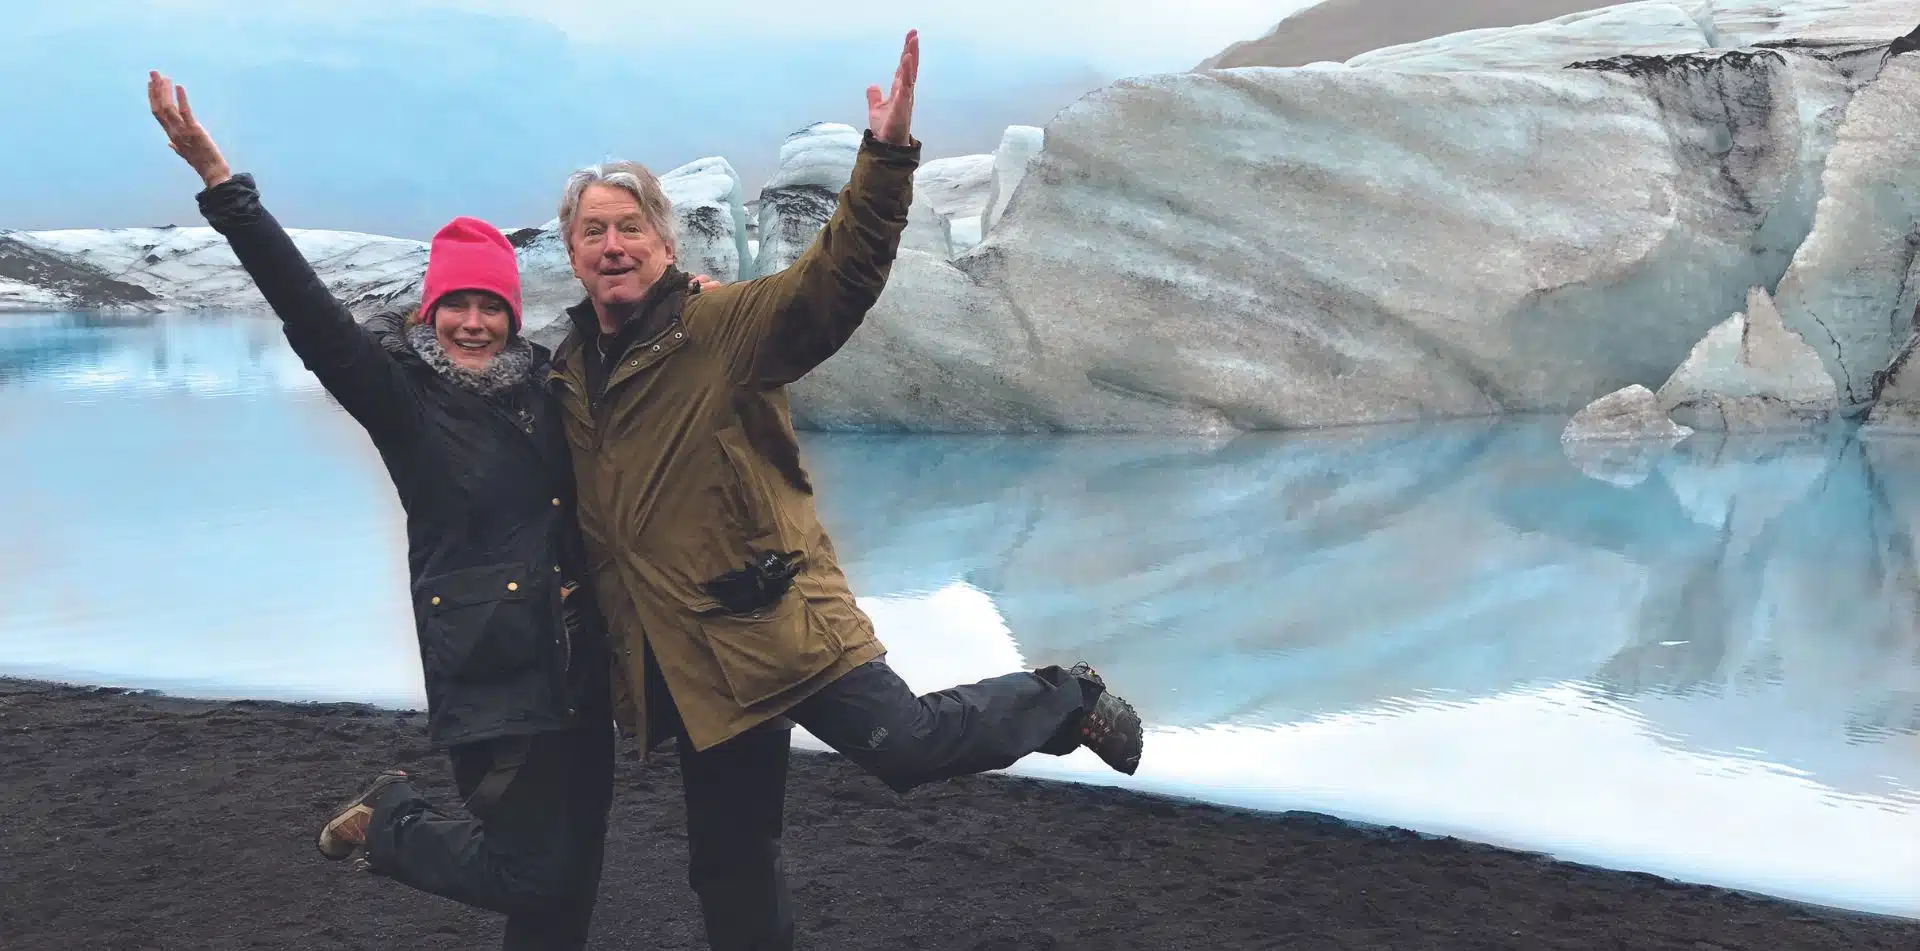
column 759, row 585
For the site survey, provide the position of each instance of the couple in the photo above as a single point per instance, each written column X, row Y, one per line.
column 622, row 531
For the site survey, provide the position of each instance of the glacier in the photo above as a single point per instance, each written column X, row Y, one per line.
column 1654, row 27
column 1518, row 220
column 1298, row 248
column 192, row 267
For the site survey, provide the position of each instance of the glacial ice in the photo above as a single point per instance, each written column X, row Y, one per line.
column 1896, row 407
column 958, row 189
column 1621, row 436
column 1416, row 236
column 964, row 233
column 1300, row 248
column 1626, row 414
column 1812, row 23
column 815, row 163
column 709, row 209
column 926, row 229
column 193, row 267
column 1654, row 27
column 1751, row 373
column 35, row 278
column 1019, row 144
column 1851, row 290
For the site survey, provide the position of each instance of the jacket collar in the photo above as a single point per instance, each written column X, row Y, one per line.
column 524, row 359
column 645, row 320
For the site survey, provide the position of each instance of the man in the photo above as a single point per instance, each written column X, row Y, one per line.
column 728, row 610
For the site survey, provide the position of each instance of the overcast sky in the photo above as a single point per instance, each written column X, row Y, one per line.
column 393, row 115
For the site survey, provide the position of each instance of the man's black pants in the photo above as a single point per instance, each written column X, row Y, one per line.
column 736, row 791
column 532, row 850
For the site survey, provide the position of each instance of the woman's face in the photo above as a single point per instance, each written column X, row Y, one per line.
column 472, row 326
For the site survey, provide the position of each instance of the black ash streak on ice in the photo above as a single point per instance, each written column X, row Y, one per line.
column 76, row 283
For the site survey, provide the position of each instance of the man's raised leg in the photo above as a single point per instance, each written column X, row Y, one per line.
column 872, row 717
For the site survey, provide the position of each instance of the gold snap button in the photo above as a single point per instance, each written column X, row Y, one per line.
column 556, row 501
column 436, row 599
column 513, row 586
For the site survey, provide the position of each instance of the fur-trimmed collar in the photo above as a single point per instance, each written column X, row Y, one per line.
column 508, row 368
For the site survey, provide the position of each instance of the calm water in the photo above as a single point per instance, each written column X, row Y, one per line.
column 1703, row 663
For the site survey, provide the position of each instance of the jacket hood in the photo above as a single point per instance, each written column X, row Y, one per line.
column 390, row 328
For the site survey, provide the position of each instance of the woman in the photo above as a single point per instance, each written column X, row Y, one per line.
column 516, row 684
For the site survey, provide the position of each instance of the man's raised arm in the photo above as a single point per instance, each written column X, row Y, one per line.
column 778, row 328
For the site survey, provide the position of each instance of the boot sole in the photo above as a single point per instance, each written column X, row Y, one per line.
column 1125, row 720
column 348, row 811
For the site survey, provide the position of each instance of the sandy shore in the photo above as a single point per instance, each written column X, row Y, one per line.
column 131, row 821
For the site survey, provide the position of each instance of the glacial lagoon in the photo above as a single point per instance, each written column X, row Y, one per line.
column 1702, row 662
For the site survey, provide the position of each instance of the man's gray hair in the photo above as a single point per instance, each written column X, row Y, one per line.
column 632, row 178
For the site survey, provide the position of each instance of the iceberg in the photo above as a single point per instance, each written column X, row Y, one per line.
column 1303, row 248
column 1018, row 147
column 815, row 163
column 709, row 209
column 1751, row 373
column 1629, row 413
column 927, row 231
column 1620, row 437
column 958, row 189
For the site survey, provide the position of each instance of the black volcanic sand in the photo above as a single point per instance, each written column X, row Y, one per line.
column 132, row 821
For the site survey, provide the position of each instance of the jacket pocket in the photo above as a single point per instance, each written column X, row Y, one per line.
column 748, row 494
column 483, row 623
column 766, row 653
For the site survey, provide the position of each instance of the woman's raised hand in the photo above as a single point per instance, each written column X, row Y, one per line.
column 184, row 134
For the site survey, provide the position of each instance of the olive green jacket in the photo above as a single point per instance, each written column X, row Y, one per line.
column 688, row 467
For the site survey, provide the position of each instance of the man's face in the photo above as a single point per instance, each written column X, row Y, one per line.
column 614, row 253
column 472, row 326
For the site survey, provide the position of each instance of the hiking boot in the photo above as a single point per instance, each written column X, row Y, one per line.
column 1112, row 728
column 346, row 832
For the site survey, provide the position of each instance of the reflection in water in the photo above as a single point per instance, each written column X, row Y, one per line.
column 185, row 509
column 1711, row 671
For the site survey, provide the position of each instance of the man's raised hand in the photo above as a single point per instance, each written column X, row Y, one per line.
column 891, row 118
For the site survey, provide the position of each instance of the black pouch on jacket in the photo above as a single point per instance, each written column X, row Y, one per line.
column 759, row 585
